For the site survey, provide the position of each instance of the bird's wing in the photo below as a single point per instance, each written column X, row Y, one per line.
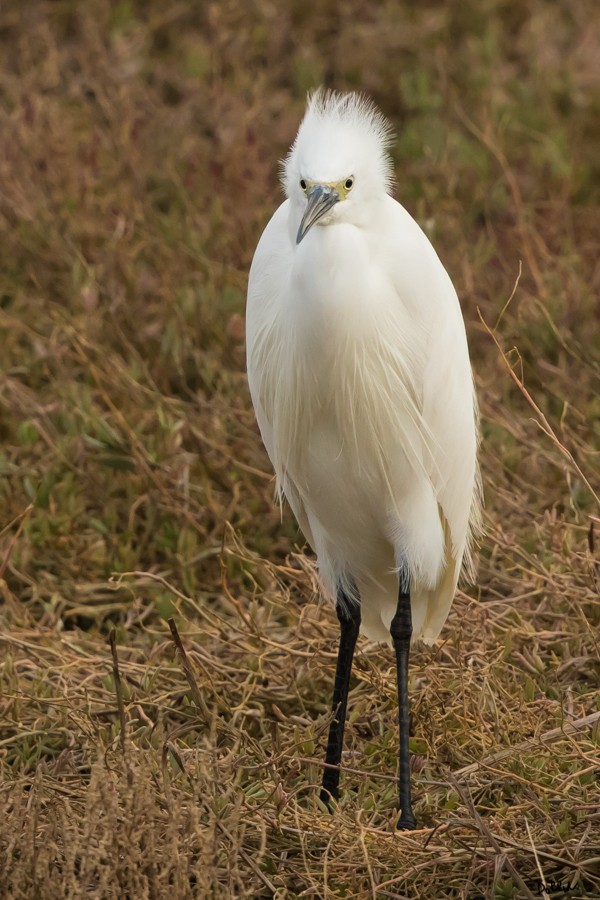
column 449, row 410
column 267, row 284
column 447, row 401
column 450, row 413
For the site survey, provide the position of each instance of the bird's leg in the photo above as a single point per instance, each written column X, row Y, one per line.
column 348, row 613
column 401, row 631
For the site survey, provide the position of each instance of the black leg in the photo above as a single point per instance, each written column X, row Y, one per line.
column 401, row 631
column 348, row 614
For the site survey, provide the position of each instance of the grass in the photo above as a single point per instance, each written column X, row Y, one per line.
column 138, row 164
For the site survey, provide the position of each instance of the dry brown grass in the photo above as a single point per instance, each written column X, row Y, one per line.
column 138, row 151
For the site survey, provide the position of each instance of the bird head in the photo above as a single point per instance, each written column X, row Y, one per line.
column 338, row 165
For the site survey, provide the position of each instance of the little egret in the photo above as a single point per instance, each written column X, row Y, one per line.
column 360, row 377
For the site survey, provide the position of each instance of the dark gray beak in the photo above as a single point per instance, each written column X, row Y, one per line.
column 320, row 200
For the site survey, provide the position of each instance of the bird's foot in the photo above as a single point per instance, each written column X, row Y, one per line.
column 329, row 798
column 407, row 821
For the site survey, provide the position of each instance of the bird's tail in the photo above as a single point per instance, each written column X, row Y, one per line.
column 429, row 607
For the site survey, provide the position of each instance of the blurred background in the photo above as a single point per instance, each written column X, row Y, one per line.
column 139, row 150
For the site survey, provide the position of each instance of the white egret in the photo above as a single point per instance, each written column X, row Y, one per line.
column 361, row 382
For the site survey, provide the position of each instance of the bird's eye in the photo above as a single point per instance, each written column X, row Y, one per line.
column 348, row 183
column 303, row 184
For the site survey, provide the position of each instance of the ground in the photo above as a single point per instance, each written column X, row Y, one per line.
column 139, row 145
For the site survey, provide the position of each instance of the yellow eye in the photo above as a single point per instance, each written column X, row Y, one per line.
column 303, row 184
column 349, row 182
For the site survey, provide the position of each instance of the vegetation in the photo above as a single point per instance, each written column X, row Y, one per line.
column 138, row 164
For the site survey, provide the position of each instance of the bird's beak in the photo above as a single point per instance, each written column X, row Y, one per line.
column 321, row 198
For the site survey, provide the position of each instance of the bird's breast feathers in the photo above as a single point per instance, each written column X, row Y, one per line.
column 336, row 329
column 359, row 369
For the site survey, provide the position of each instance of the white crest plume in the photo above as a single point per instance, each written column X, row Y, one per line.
column 346, row 130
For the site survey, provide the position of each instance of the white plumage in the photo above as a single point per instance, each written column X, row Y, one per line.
column 360, row 377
